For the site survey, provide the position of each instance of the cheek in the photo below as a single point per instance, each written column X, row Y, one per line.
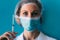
column 17, row 20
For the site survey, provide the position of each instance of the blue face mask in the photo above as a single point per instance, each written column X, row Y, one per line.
column 30, row 24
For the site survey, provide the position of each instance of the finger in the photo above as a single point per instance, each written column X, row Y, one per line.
column 10, row 39
column 6, row 34
column 10, row 34
column 13, row 34
column 4, row 38
column 0, row 37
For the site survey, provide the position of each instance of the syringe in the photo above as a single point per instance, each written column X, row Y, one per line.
column 13, row 23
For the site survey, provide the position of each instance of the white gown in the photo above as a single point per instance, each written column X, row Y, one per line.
column 40, row 37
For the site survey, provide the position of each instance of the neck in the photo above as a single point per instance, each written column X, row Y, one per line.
column 31, row 35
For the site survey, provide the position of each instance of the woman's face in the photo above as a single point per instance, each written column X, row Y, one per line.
column 30, row 10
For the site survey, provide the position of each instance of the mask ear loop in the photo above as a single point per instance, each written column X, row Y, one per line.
column 42, row 10
column 16, row 17
column 41, row 18
column 13, row 17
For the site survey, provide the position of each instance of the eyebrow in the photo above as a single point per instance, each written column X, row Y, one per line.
column 32, row 11
column 35, row 10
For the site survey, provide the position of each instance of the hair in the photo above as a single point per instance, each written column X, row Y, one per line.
column 20, row 4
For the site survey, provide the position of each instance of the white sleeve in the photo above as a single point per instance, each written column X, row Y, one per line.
column 44, row 37
column 50, row 38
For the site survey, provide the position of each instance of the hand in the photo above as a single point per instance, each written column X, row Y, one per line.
column 8, row 36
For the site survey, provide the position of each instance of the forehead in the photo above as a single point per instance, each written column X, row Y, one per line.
column 29, row 7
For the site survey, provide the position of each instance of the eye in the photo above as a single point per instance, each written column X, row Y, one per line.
column 25, row 13
column 34, row 14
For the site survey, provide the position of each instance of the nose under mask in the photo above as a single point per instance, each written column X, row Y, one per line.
column 30, row 24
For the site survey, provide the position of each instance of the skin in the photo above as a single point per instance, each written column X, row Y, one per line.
column 27, row 10
column 7, row 34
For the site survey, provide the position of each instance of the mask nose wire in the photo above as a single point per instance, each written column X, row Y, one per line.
column 14, row 16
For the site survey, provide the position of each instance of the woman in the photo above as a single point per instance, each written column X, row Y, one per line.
column 28, row 15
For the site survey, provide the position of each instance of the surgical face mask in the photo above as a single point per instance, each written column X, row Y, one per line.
column 30, row 24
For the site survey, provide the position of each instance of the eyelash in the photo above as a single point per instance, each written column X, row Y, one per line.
column 34, row 13
column 26, row 14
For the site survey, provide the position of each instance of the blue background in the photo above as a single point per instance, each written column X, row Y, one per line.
column 51, row 17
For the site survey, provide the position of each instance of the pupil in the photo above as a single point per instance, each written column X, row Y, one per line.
column 25, row 13
column 34, row 14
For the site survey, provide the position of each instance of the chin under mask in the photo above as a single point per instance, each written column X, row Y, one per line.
column 30, row 24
